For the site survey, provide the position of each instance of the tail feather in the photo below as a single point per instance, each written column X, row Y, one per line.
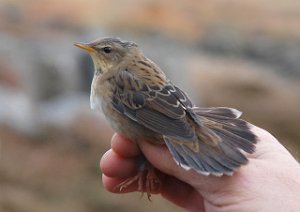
column 225, row 157
column 205, row 164
column 187, row 159
column 218, row 111
column 231, row 130
column 235, row 141
column 210, row 165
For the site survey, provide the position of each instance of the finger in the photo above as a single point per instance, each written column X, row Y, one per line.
column 124, row 147
column 270, row 149
column 111, row 183
column 161, row 158
column 182, row 194
column 113, row 165
column 174, row 190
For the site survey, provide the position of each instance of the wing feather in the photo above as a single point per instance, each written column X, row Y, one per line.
column 160, row 109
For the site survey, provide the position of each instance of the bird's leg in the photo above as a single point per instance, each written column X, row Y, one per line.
column 146, row 178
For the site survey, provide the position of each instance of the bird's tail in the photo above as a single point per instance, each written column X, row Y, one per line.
column 221, row 140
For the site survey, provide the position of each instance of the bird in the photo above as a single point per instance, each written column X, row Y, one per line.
column 141, row 103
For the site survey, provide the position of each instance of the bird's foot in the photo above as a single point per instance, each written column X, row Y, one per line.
column 147, row 181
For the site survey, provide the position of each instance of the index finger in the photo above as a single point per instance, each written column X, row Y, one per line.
column 124, row 147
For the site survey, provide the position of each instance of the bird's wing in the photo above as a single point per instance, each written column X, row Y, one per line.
column 160, row 108
column 208, row 140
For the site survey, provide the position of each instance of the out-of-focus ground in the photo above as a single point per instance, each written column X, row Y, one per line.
column 242, row 54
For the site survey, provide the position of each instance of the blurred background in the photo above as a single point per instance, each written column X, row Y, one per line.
column 241, row 54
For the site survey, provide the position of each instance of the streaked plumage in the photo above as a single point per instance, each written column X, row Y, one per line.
column 141, row 103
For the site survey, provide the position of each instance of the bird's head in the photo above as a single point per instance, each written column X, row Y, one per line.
column 108, row 52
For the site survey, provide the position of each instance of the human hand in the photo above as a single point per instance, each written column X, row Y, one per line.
column 270, row 182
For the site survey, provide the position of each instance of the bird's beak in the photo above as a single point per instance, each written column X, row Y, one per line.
column 84, row 46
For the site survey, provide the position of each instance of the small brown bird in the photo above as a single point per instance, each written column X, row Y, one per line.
column 142, row 104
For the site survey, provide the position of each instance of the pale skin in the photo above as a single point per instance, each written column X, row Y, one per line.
column 269, row 182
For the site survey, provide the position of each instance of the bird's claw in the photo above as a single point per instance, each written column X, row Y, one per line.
column 147, row 181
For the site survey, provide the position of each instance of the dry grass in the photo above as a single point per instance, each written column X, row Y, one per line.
column 183, row 19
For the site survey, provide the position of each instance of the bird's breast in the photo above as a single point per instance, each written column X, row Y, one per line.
column 95, row 96
column 101, row 98
column 95, row 101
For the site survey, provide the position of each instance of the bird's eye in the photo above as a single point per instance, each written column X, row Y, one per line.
column 107, row 49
